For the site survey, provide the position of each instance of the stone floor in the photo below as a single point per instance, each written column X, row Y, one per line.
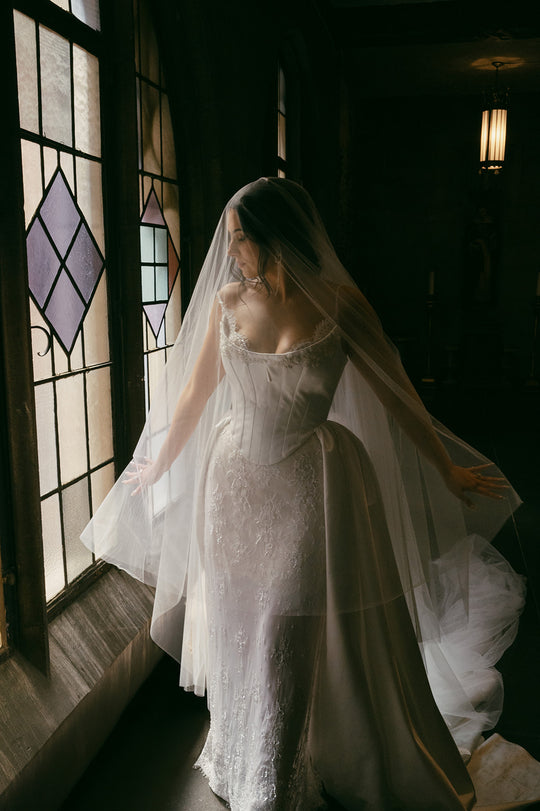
column 146, row 763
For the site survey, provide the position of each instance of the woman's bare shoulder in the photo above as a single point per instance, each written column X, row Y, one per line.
column 229, row 295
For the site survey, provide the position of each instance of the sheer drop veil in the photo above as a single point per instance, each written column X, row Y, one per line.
column 437, row 558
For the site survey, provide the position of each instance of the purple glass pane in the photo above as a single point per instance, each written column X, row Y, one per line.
column 85, row 263
column 152, row 212
column 43, row 264
column 60, row 214
column 155, row 313
column 65, row 311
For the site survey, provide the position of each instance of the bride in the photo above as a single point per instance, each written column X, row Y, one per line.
column 319, row 545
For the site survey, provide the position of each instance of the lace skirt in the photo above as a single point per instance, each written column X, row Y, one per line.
column 303, row 688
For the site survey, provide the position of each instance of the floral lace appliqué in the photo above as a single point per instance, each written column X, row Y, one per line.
column 266, row 561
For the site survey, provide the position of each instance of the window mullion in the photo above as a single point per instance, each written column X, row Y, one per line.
column 121, row 200
column 18, row 388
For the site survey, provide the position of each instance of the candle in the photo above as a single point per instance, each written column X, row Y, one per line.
column 431, row 290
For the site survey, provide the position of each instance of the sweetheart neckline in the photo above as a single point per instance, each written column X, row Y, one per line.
column 299, row 346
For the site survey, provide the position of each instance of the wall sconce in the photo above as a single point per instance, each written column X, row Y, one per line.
column 493, row 135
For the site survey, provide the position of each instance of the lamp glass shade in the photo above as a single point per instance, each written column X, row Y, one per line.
column 493, row 138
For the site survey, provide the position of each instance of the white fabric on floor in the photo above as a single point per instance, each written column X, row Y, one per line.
column 504, row 775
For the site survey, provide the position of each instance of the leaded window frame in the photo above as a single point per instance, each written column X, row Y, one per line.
column 21, row 511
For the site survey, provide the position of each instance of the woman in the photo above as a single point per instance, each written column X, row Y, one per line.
column 308, row 557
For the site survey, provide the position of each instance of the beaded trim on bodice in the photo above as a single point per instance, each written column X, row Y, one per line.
column 309, row 352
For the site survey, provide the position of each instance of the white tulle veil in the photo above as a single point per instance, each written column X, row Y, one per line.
column 441, row 547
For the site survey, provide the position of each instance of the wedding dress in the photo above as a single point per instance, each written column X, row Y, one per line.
column 340, row 608
column 305, row 689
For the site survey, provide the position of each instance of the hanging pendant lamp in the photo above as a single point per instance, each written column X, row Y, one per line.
column 493, row 134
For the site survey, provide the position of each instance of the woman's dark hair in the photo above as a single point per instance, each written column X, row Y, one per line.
column 280, row 217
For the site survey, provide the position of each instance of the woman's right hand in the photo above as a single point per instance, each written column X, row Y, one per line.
column 143, row 474
column 462, row 480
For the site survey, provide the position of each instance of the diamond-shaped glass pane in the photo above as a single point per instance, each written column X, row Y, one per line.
column 59, row 213
column 68, row 231
column 65, row 311
column 43, row 263
column 85, row 263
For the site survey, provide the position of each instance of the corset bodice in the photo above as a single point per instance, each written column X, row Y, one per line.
column 278, row 400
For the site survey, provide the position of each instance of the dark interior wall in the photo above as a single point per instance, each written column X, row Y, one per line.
column 221, row 62
column 396, row 179
column 413, row 195
column 520, row 237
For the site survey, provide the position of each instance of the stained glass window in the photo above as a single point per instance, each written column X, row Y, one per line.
column 281, row 125
column 64, row 261
column 59, row 103
column 159, row 204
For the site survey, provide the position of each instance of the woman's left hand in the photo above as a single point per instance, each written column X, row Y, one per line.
column 463, row 480
column 141, row 474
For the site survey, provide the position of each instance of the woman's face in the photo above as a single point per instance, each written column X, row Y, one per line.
column 243, row 249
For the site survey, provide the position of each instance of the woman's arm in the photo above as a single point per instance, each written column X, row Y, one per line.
column 207, row 373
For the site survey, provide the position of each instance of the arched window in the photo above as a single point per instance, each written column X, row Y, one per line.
column 158, row 191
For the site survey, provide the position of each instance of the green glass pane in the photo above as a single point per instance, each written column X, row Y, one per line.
column 147, row 243
column 147, row 281
column 162, row 284
column 161, row 245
